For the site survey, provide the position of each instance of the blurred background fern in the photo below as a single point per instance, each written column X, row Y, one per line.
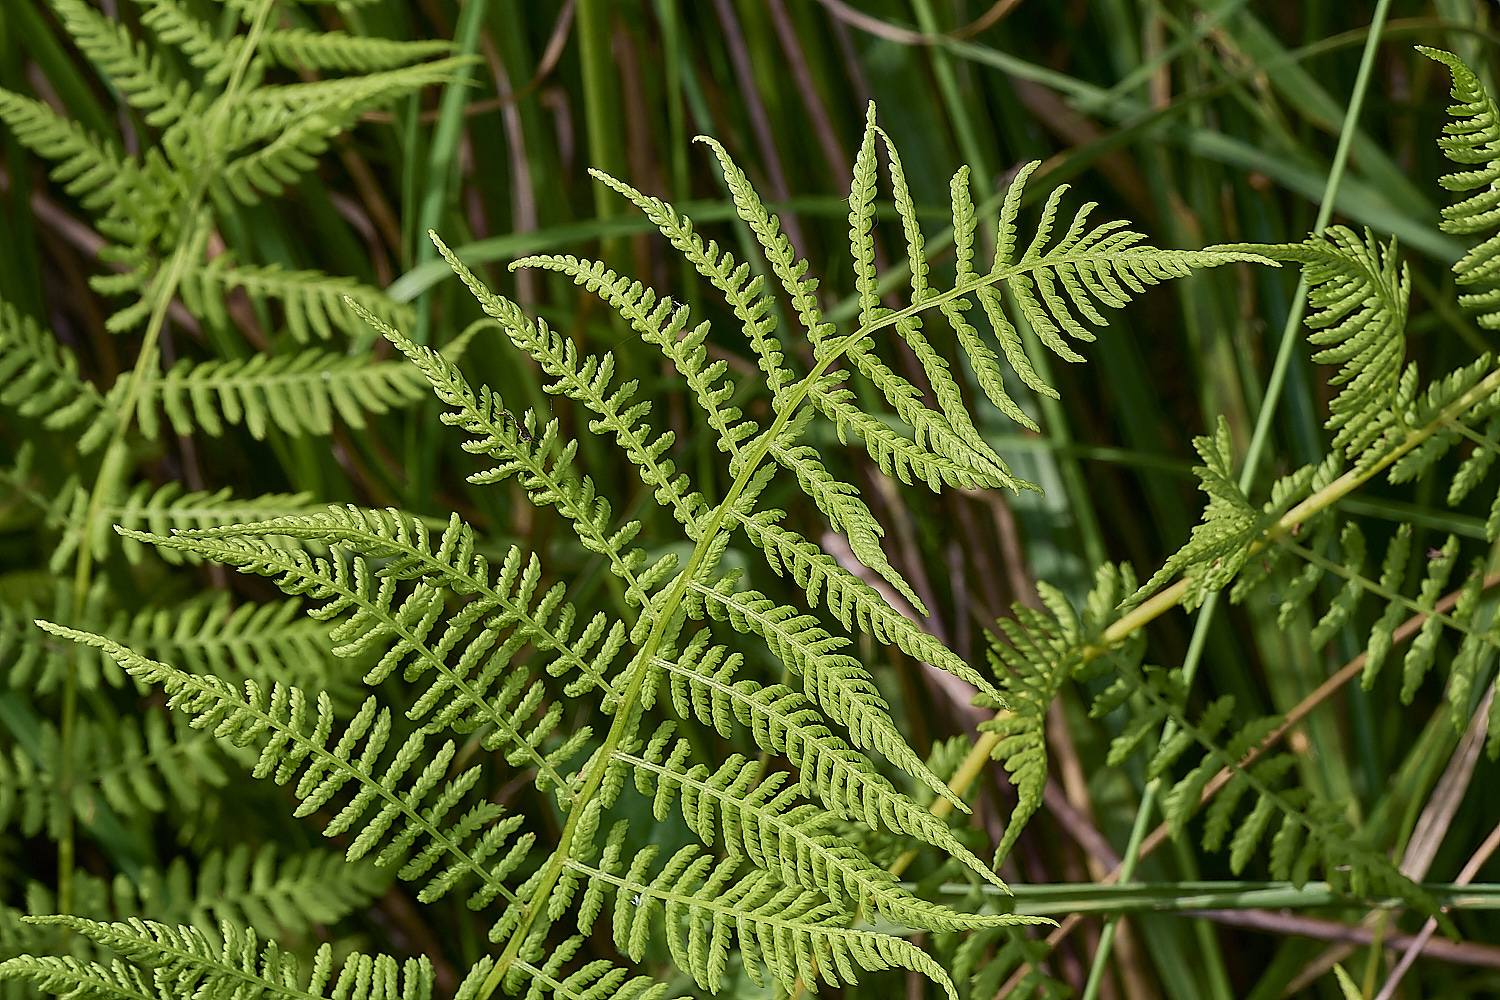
column 1202, row 122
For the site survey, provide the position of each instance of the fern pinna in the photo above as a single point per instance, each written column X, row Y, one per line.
column 769, row 885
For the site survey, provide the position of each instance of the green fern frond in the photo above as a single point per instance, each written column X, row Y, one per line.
column 279, row 132
column 760, row 820
column 1358, row 292
column 406, row 810
column 270, row 642
column 836, row 682
column 162, row 510
column 39, row 377
column 1441, row 417
column 301, row 47
column 399, row 625
column 1421, row 655
column 852, row 601
column 794, row 933
column 181, row 963
column 314, row 304
column 270, row 896
column 96, row 173
column 1473, row 140
column 133, row 767
column 297, row 393
column 538, row 456
column 1042, row 654
column 587, row 383
column 587, row 380
column 1311, row 833
column 787, row 722
column 745, row 296
column 1230, row 526
column 144, row 77
column 596, row 980
column 179, row 27
column 938, row 453
column 665, row 325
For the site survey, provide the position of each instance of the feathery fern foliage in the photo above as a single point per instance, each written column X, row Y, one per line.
column 213, row 343
column 492, row 655
column 480, row 673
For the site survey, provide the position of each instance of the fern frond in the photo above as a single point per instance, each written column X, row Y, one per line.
column 1358, row 291
column 279, row 132
column 301, row 47
column 1473, row 140
column 588, row 380
column 794, row 933
column 136, row 767
column 745, row 296
column 1439, row 417
column 145, row 79
column 596, row 980
column 96, row 173
column 665, row 325
column 314, row 304
column 181, row 963
column 786, row 722
column 1230, row 525
column 270, row 642
column 540, row 459
column 273, row 897
column 179, row 27
column 838, row 683
column 1043, row 652
column 951, row 458
column 165, row 509
column 39, row 377
column 851, row 600
column 297, row 393
column 461, row 695
column 759, row 819
column 406, row 809
column 846, row 511
column 1105, row 265
column 1312, row 833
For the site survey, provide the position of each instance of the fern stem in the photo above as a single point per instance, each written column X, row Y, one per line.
column 164, row 288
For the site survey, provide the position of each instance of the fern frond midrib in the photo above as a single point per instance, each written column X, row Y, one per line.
column 732, row 913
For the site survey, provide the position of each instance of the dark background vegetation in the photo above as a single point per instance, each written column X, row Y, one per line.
column 1202, row 122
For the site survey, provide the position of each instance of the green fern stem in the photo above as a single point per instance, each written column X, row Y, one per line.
column 164, row 289
column 1164, row 600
